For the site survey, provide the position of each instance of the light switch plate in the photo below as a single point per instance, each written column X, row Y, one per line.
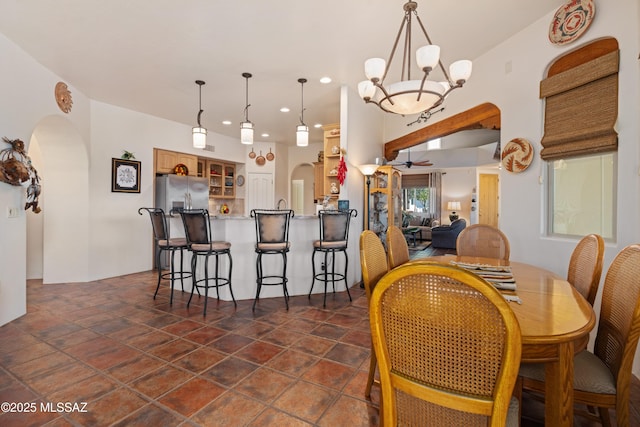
column 12, row 212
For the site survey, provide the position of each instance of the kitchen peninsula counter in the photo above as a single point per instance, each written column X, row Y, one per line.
column 303, row 230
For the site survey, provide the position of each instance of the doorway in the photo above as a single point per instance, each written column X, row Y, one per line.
column 488, row 197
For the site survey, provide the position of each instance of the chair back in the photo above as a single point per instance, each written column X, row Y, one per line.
column 619, row 327
column 272, row 228
column 197, row 226
column 585, row 266
column 158, row 222
column 483, row 240
column 397, row 247
column 373, row 260
column 334, row 228
column 448, row 347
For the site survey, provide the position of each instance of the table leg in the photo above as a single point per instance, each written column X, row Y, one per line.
column 559, row 388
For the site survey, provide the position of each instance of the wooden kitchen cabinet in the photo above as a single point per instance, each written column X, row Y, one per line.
column 167, row 160
column 318, row 180
column 222, row 183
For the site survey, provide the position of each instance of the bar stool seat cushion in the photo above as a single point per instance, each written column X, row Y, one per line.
column 323, row 244
column 211, row 246
column 177, row 241
column 278, row 246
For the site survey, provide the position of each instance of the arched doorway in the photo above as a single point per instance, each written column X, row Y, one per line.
column 58, row 237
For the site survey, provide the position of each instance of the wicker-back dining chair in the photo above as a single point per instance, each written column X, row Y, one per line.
column 397, row 247
column 483, row 240
column 373, row 261
column 602, row 379
column 448, row 348
column 585, row 266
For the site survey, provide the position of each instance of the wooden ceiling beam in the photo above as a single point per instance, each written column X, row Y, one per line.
column 483, row 116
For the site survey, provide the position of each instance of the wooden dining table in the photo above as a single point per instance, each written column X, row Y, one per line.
column 555, row 321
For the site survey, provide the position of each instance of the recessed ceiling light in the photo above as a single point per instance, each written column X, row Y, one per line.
column 317, row 125
column 325, row 80
column 284, row 110
column 265, row 135
column 226, row 122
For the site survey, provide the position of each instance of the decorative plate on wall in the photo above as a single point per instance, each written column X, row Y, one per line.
column 63, row 97
column 571, row 20
column 517, row 155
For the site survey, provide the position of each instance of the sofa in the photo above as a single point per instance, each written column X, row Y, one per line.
column 445, row 236
column 422, row 224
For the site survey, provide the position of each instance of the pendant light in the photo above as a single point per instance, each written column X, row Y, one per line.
column 199, row 133
column 246, row 127
column 302, row 130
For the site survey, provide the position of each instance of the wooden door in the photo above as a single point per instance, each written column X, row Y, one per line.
column 488, row 200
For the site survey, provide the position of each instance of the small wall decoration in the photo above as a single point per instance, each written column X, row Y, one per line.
column 125, row 176
column 16, row 168
column 571, row 20
column 63, row 97
column 517, row 155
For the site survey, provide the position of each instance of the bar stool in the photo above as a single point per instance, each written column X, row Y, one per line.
column 197, row 229
column 272, row 237
column 163, row 243
column 334, row 238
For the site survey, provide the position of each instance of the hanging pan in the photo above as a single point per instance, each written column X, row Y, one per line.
column 270, row 155
column 252, row 154
column 260, row 160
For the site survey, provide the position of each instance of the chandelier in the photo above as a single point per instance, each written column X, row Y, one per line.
column 199, row 133
column 409, row 96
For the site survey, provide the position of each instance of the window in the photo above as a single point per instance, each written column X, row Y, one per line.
column 415, row 199
column 582, row 196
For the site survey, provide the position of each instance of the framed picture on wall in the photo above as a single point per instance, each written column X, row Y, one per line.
column 125, row 176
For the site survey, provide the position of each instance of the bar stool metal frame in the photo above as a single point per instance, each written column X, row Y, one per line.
column 334, row 238
column 272, row 237
column 164, row 243
column 197, row 229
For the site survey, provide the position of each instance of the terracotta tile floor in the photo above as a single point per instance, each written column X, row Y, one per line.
column 138, row 361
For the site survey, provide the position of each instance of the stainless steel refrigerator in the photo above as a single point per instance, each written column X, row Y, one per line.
column 174, row 192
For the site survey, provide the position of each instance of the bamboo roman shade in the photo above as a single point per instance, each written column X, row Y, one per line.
column 581, row 106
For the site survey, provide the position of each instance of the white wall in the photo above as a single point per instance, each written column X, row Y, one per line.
column 457, row 185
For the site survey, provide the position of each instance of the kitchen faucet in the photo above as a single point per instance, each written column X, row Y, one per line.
column 281, row 201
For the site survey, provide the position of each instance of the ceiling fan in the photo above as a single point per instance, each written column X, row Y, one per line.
column 409, row 163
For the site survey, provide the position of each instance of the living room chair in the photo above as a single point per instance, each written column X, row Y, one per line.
column 334, row 238
column 448, row 348
column 483, row 240
column 585, row 266
column 197, row 229
column 373, row 261
column 165, row 243
column 602, row 379
column 397, row 247
column 445, row 236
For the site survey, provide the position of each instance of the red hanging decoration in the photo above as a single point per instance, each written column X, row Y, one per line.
column 342, row 170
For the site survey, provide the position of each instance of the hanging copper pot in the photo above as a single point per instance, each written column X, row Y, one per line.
column 260, row 160
column 270, row 155
column 252, row 154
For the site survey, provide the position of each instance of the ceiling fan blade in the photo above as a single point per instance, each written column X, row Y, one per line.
column 423, row 163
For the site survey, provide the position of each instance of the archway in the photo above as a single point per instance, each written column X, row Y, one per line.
column 58, row 237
